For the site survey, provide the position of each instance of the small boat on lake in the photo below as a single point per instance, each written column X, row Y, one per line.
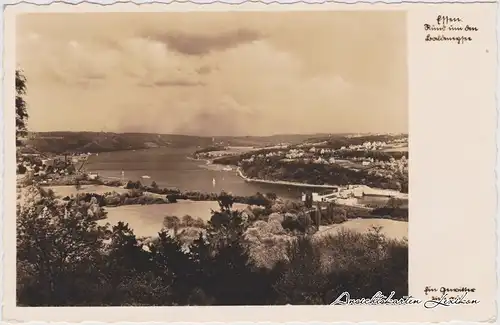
column 145, row 176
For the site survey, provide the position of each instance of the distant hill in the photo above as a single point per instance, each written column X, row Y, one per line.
column 61, row 141
column 258, row 141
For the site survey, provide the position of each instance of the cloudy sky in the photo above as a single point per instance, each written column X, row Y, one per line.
column 215, row 73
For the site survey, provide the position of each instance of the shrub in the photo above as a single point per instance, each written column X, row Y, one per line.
column 276, row 217
column 76, row 262
column 171, row 198
column 21, row 169
column 133, row 185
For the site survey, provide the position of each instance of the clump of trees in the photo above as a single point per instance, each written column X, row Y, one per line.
column 21, row 107
column 376, row 155
column 142, row 196
column 66, row 259
column 334, row 214
column 394, row 208
column 133, row 185
column 298, row 223
column 173, row 195
column 21, row 169
column 318, row 174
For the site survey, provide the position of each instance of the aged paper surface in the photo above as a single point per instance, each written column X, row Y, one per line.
column 388, row 108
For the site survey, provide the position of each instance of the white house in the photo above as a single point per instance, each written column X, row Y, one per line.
column 320, row 161
column 93, row 175
column 48, row 162
column 327, row 197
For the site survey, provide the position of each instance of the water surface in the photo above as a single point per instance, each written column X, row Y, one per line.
column 171, row 167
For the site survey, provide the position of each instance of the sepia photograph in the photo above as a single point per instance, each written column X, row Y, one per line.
column 211, row 158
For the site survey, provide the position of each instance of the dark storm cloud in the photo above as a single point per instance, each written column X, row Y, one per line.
column 198, row 44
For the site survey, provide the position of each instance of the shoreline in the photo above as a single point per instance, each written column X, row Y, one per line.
column 207, row 161
column 264, row 181
column 367, row 191
column 394, row 194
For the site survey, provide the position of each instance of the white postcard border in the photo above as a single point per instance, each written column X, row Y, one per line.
column 451, row 237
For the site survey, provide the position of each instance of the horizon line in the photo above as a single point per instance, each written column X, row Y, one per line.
column 225, row 136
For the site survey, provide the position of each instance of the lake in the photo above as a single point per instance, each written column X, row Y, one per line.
column 173, row 167
column 170, row 167
column 147, row 220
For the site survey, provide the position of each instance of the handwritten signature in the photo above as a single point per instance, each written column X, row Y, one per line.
column 446, row 300
column 376, row 299
column 380, row 299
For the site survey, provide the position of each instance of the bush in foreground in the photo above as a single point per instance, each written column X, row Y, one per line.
column 66, row 259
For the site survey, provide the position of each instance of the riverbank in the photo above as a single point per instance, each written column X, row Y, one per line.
column 357, row 190
column 69, row 190
column 207, row 161
column 286, row 183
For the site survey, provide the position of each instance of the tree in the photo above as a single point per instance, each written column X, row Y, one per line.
column 172, row 222
column 71, row 169
column 335, row 214
column 231, row 279
column 394, row 203
column 78, row 186
column 21, row 107
column 271, row 196
column 187, row 221
column 309, row 200
column 225, row 202
column 363, row 263
column 125, row 260
column 59, row 245
column 21, row 169
column 133, row 185
column 174, row 266
column 172, row 198
column 154, row 186
column 302, row 282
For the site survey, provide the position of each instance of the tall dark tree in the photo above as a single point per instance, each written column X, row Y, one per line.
column 21, row 107
column 303, row 281
column 60, row 245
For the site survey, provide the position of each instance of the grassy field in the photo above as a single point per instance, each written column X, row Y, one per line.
column 390, row 228
column 68, row 190
column 393, row 149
